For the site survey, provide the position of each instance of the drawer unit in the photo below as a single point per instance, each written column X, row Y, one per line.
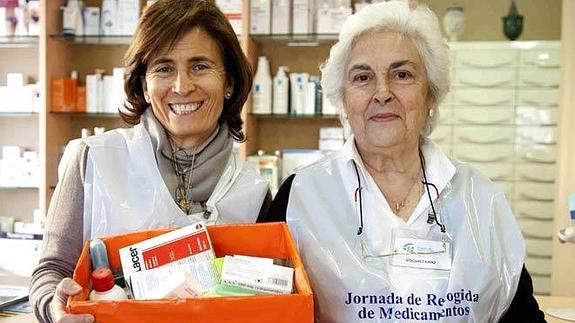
column 544, row 192
column 445, row 115
column 548, row 98
column 539, row 78
column 538, row 265
column 544, row 154
column 499, row 78
column 536, row 228
column 483, row 153
column 535, row 116
column 482, row 116
column 540, row 173
column 483, row 135
column 483, row 98
column 441, row 134
column 541, row 284
column 537, row 135
column 496, row 171
column 541, row 58
column 507, row 188
column 540, row 210
column 539, row 247
column 485, row 59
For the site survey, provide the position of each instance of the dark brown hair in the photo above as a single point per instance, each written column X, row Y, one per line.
column 163, row 24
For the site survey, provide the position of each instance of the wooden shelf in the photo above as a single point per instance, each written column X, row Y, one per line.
column 18, row 187
column 296, row 40
column 94, row 40
column 19, row 114
column 295, row 116
column 87, row 114
column 18, row 41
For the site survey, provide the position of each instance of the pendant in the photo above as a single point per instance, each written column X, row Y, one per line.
column 398, row 206
column 184, row 205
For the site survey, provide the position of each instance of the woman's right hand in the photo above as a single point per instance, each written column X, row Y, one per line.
column 67, row 287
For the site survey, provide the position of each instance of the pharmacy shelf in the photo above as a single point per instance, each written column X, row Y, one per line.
column 87, row 114
column 26, row 114
column 93, row 40
column 295, row 116
column 5, row 188
column 296, row 40
column 18, row 41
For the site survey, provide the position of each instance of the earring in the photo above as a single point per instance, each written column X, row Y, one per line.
column 228, row 95
column 431, row 113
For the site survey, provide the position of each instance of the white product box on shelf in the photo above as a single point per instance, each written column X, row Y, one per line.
column 260, row 17
column 302, row 16
column 232, row 9
column 128, row 15
column 329, row 20
column 281, row 17
column 91, row 21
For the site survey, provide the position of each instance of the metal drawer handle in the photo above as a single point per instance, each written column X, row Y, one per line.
column 485, row 104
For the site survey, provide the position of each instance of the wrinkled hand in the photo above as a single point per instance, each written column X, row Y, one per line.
column 67, row 287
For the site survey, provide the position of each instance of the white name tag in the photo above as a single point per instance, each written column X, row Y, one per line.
column 421, row 253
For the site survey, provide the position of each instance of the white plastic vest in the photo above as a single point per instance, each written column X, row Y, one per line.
column 488, row 249
column 124, row 190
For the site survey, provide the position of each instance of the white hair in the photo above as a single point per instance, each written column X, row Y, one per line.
column 420, row 24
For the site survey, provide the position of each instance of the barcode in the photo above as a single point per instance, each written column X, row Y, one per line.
column 277, row 281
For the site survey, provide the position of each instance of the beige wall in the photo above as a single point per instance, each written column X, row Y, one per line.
column 541, row 18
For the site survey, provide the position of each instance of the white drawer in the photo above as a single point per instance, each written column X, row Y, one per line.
column 507, row 188
column 544, row 57
column 492, row 59
column 539, row 247
column 445, row 116
column 483, row 134
column 483, row 153
column 441, row 134
column 482, row 116
column 538, row 135
column 541, row 173
column 496, row 171
column 538, row 265
column 534, row 209
column 534, row 116
column 484, row 97
column 536, row 228
column 538, row 98
column 447, row 100
column 541, row 284
column 540, row 78
column 536, row 153
column 485, row 78
column 535, row 191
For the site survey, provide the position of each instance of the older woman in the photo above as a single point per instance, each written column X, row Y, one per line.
column 187, row 80
column 389, row 228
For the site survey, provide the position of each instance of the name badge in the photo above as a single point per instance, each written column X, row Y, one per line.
column 421, row 253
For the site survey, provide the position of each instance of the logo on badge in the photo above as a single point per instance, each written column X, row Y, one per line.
column 409, row 248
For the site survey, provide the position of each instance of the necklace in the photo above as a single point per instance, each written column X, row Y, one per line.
column 398, row 205
column 183, row 193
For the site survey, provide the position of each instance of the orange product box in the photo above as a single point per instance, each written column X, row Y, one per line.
column 271, row 240
column 81, row 99
column 63, row 94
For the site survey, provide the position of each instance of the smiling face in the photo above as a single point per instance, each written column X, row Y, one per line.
column 185, row 86
column 386, row 91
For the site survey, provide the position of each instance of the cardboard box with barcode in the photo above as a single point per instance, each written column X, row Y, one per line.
column 271, row 240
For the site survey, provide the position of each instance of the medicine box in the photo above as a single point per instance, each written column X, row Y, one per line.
column 270, row 240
